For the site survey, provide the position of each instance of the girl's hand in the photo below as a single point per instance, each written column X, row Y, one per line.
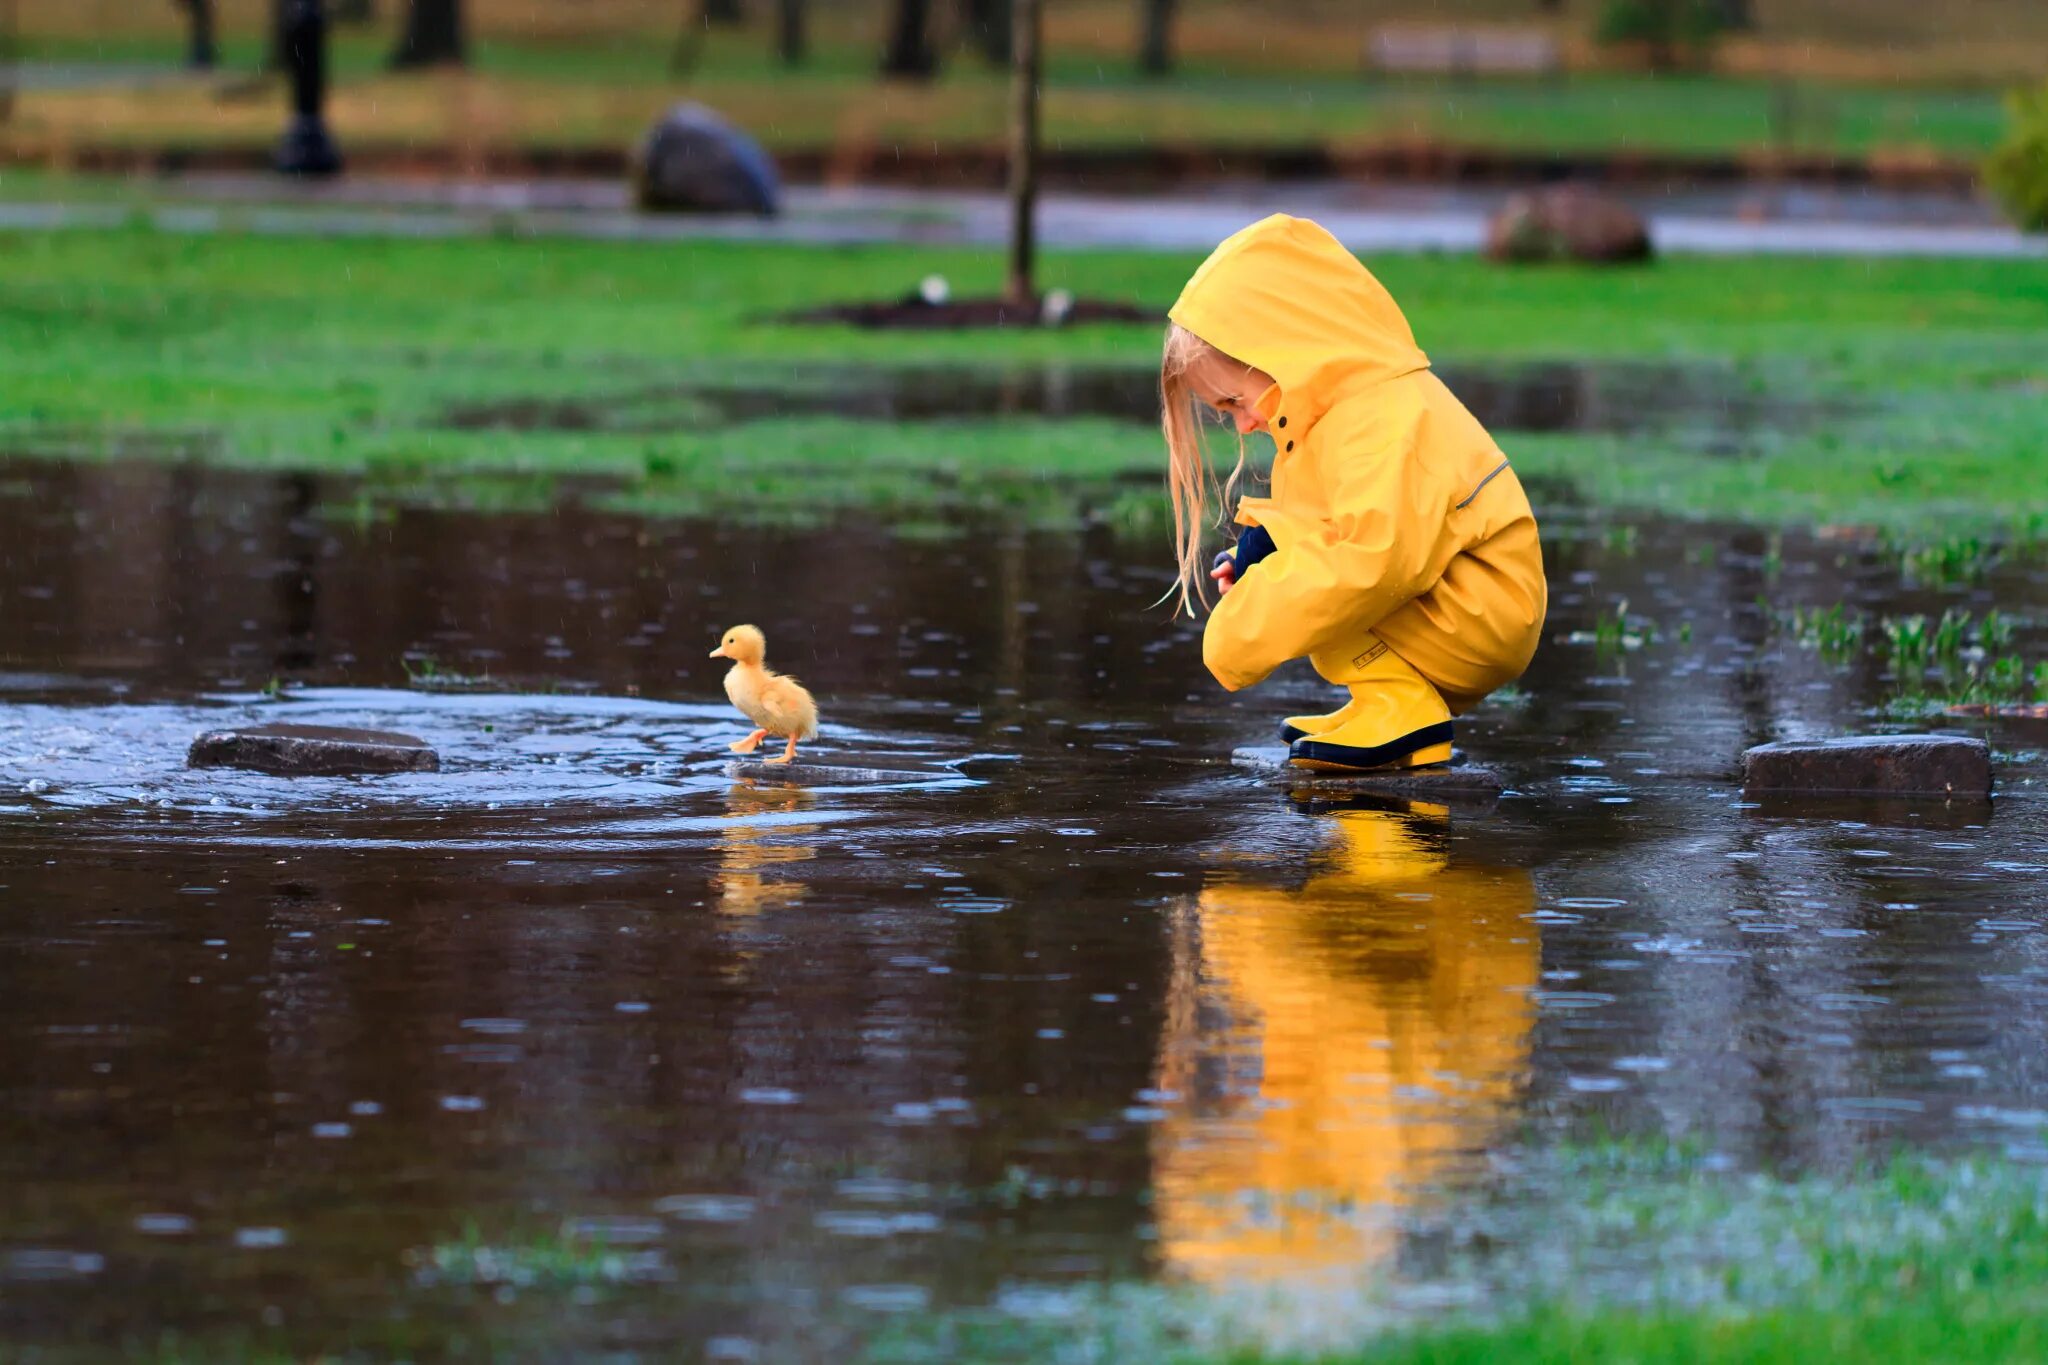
column 1225, row 574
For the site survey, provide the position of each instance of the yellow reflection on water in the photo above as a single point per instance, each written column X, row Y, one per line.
column 754, row 852
column 1331, row 1048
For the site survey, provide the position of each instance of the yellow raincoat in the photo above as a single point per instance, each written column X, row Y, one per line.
column 1392, row 509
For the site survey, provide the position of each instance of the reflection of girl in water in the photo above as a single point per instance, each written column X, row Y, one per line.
column 1330, row 1047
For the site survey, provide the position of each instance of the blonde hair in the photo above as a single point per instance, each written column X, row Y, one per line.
column 1190, row 481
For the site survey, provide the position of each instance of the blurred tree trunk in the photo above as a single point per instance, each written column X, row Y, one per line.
column 789, row 31
column 432, row 36
column 1155, row 45
column 989, row 22
column 353, row 11
column 273, row 48
column 1736, row 15
column 1025, row 33
column 10, row 18
column 909, row 54
column 698, row 21
column 202, row 54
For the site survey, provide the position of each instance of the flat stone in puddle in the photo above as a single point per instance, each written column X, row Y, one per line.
column 312, row 751
column 1457, row 782
column 840, row 772
column 1872, row 765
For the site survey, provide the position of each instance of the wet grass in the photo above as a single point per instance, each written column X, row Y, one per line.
column 346, row 355
column 1933, row 663
column 555, row 1262
column 1637, row 1252
column 1618, row 1251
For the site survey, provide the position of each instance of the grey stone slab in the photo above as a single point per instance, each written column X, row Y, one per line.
column 1456, row 782
column 1949, row 766
column 838, row 772
column 312, row 751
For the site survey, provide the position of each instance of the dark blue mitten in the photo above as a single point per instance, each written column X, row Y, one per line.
column 1252, row 546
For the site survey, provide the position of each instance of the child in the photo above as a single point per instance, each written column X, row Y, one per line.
column 1397, row 551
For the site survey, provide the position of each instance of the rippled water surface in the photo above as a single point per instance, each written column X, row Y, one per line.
column 1063, row 1000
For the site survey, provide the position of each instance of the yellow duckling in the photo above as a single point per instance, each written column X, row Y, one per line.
column 777, row 705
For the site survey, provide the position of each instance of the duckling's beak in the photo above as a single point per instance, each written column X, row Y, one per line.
column 719, row 653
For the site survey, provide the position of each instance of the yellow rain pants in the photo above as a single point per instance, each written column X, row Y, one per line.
column 1392, row 509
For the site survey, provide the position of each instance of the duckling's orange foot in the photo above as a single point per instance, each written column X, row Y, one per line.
column 749, row 744
column 788, row 755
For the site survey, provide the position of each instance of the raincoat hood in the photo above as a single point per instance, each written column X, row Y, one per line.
column 1284, row 296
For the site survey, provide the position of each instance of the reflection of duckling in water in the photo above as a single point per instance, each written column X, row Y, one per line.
column 776, row 705
column 1329, row 1048
column 748, row 847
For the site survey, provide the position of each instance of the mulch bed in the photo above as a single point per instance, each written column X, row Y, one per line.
column 915, row 314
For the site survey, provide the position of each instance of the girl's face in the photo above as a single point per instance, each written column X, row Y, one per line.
column 1232, row 389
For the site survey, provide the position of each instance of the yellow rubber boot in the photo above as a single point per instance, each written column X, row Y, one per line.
column 1303, row 727
column 1396, row 719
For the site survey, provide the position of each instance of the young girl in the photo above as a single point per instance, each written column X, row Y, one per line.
column 1397, row 551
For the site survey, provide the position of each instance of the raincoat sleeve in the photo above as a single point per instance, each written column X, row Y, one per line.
column 1328, row 578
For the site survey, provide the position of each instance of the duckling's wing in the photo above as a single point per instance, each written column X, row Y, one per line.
column 789, row 708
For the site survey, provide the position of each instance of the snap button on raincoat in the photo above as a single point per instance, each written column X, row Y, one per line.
column 1392, row 508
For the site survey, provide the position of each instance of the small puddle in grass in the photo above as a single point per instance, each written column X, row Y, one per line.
column 1560, row 396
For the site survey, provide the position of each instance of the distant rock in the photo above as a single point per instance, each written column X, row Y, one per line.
column 312, row 751
column 1566, row 223
column 1872, row 765
column 693, row 161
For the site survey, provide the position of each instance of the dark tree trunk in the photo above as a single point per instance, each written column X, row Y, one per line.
column 202, row 53
column 988, row 23
column 432, row 37
column 9, row 20
column 789, row 31
column 1663, row 43
column 306, row 149
column 353, row 11
column 1155, row 46
column 699, row 19
column 273, row 51
column 909, row 54
column 1735, row 15
column 1026, row 31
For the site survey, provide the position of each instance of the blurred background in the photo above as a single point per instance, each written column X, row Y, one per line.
column 896, row 89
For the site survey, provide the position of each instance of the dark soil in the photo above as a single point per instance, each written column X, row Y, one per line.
column 956, row 314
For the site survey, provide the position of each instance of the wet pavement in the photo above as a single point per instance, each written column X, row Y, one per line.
column 582, row 1041
column 1765, row 219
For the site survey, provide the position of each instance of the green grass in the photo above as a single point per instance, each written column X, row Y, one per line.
column 1882, row 1331
column 1911, row 389
column 1625, row 1254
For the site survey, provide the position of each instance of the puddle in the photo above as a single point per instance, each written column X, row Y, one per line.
column 755, row 1065
column 1616, row 398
